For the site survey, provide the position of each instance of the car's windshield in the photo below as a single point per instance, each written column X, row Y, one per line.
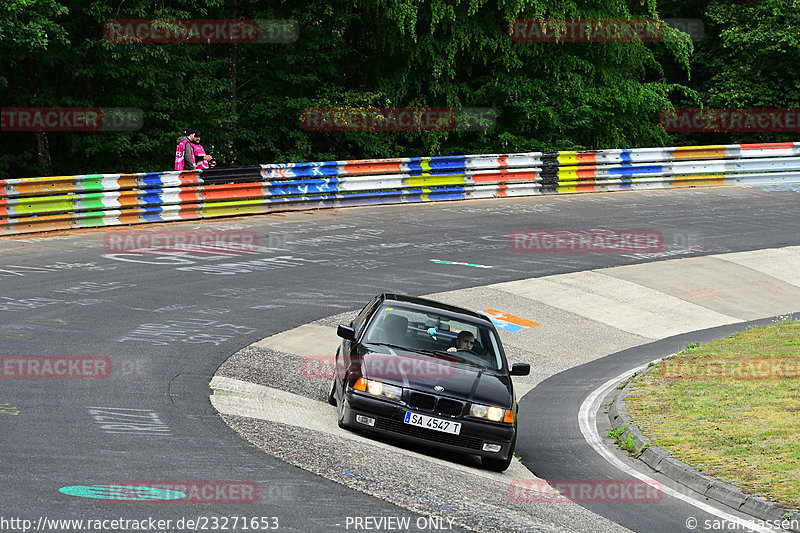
column 462, row 341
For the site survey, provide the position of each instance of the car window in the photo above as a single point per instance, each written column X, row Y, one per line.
column 361, row 320
column 429, row 330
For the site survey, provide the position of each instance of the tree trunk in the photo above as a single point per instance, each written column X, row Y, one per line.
column 234, row 122
column 42, row 143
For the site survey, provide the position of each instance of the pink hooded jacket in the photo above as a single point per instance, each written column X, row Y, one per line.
column 199, row 151
column 184, row 159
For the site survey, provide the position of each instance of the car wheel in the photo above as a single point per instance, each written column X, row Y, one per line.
column 332, row 393
column 340, row 413
column 500, row 465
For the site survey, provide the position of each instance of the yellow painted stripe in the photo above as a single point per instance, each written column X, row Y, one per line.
column 232, row 210
column 567, row 158
column 431, row 181
column 567, row 175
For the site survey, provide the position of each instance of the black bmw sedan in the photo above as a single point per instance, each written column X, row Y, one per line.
column 427, row 372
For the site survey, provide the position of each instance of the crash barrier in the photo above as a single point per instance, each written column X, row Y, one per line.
column 65, row 202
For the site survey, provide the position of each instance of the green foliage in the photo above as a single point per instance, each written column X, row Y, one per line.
column 247, row 99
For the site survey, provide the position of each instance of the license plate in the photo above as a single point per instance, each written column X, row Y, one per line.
column 429, row 422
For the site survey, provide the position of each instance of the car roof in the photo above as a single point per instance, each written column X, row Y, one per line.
column 415, row 301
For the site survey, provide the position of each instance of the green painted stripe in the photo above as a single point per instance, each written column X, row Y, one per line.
column 91, row 182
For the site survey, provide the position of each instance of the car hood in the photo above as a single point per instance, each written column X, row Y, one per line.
column 423, row 372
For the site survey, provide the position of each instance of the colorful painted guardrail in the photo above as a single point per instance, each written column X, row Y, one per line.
column 66, row 202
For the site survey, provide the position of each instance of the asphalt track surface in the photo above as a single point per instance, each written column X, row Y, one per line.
column 167, row 322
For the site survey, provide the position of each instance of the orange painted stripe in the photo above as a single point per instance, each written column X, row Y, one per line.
column 586, row 158
column 129, row 218
column 232, row 194
column 511, row 318
column 189, row 178
column 127, row 183
column 693, row 152
column 128, row 199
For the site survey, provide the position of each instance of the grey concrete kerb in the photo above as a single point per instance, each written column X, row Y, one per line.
column 660, row 461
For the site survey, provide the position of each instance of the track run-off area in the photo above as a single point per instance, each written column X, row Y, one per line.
column 206, row 384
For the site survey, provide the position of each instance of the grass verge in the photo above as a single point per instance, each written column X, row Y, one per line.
column 731, row 409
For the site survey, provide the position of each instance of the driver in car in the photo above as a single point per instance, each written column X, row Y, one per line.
column 464, row 341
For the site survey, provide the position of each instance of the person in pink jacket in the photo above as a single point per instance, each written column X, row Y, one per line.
column 184, row 152
column 204, row 160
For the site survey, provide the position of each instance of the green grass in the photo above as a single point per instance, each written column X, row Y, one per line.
column 730, row 408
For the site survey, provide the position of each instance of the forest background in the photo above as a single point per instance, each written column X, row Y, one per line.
column 247, row 99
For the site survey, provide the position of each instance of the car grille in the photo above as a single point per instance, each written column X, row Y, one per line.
column 398, row 427
column 426, row 402
column 442, row 406
column 449, row 407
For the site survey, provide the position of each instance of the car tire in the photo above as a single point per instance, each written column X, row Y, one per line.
column 500, row 465
column 340, row 406
column 332, row 393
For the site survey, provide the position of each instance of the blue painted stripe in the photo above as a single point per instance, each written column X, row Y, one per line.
column 628, row 170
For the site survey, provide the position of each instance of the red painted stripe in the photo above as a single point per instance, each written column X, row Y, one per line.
column 356, row 168
column 766, row 146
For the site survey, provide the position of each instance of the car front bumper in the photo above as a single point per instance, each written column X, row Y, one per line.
column 389, row 422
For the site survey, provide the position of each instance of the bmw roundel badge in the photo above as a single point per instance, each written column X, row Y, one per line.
column 438, row 388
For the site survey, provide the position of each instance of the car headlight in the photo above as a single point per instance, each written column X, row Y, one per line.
column 378, row 388
column 495, row 414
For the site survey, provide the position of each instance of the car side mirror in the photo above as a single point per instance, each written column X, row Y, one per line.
column 346, row 333
column 519, row 369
